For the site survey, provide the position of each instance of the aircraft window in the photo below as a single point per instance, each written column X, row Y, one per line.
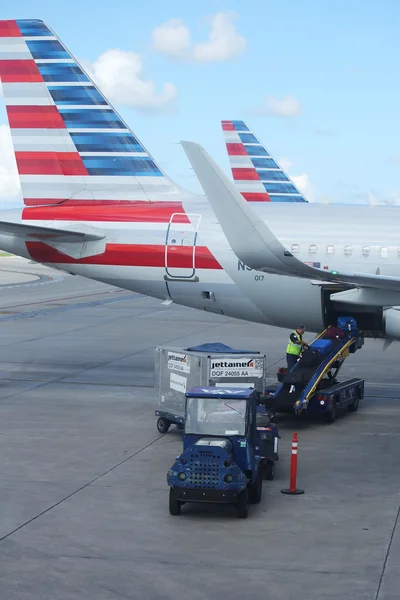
column 384, row 252
column 366, row 250
column 330, row 250
column 312, row 249
column 296, row 249
column 348, row 250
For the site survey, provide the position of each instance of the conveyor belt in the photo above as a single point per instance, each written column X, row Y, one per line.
column 299, row 386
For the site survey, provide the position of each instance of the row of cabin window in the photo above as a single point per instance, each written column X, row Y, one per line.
column 348, row 250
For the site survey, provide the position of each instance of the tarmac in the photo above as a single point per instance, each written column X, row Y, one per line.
column 83, row 491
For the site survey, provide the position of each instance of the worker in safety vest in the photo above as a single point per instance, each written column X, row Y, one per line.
column 295, row 346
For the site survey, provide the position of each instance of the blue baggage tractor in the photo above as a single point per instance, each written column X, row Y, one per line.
column 323, row 347
column 347, row 323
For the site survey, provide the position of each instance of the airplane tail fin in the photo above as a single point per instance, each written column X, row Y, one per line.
column 70, row 143
column 256, row 173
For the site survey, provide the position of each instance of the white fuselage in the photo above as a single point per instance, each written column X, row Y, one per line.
column 343, row 238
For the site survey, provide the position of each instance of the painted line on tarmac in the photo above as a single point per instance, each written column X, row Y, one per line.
column 86, row 383
column 69, row 307
column 52, row 300
column 35, row 281
column 81, row 488
column 20, row 285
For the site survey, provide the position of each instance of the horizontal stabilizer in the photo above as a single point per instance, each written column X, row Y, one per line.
column 81, row 242
column 250, row 237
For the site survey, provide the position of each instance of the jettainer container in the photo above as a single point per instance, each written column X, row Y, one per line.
column 177, row 370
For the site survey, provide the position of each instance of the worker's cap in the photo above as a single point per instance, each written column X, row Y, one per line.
column 301, row 327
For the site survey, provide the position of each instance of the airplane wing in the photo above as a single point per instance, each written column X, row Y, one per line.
column 250, row 237
column 80, row 242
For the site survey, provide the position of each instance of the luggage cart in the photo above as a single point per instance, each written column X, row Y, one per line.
column 214, row 364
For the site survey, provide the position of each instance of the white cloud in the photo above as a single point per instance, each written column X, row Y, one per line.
column 285, row 107
column 303, row 183
column 119, row 76
column 285, row 163
column 10, row 190
column 224, row 42
column 392, row 198
column 173, row 39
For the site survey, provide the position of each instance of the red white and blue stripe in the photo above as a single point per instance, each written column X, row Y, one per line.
column 256, row 173
column 79, row 163
column 69, row 141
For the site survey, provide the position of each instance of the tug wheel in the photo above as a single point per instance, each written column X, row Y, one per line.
column 242, row 504
column 174, row 504
column 269, row 470
column 330, row 416
column 353, row 407
column 255, row 490
column 163, row 425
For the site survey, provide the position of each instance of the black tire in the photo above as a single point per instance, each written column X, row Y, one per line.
column 242, row 504
column 353, row 407
column 174, row 504
column 269, row 470
column 163, row 425
column 330, row 416
column 255, row 489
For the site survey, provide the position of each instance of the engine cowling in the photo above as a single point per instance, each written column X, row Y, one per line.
column 392, row 323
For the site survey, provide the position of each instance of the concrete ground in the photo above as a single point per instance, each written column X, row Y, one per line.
column 83, row 493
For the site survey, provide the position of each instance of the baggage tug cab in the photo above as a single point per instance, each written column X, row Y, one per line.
column 227, row 450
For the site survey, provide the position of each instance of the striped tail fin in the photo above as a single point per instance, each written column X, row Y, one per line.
column 69, row 142
column 257, row 175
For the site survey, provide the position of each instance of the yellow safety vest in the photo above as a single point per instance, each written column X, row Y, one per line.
column 294, row 348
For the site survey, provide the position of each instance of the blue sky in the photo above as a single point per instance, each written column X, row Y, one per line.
column 337, row 63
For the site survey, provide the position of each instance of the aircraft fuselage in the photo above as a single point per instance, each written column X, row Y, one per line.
column 179, row 252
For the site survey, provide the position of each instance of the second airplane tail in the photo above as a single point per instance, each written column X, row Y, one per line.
column 257, row 175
